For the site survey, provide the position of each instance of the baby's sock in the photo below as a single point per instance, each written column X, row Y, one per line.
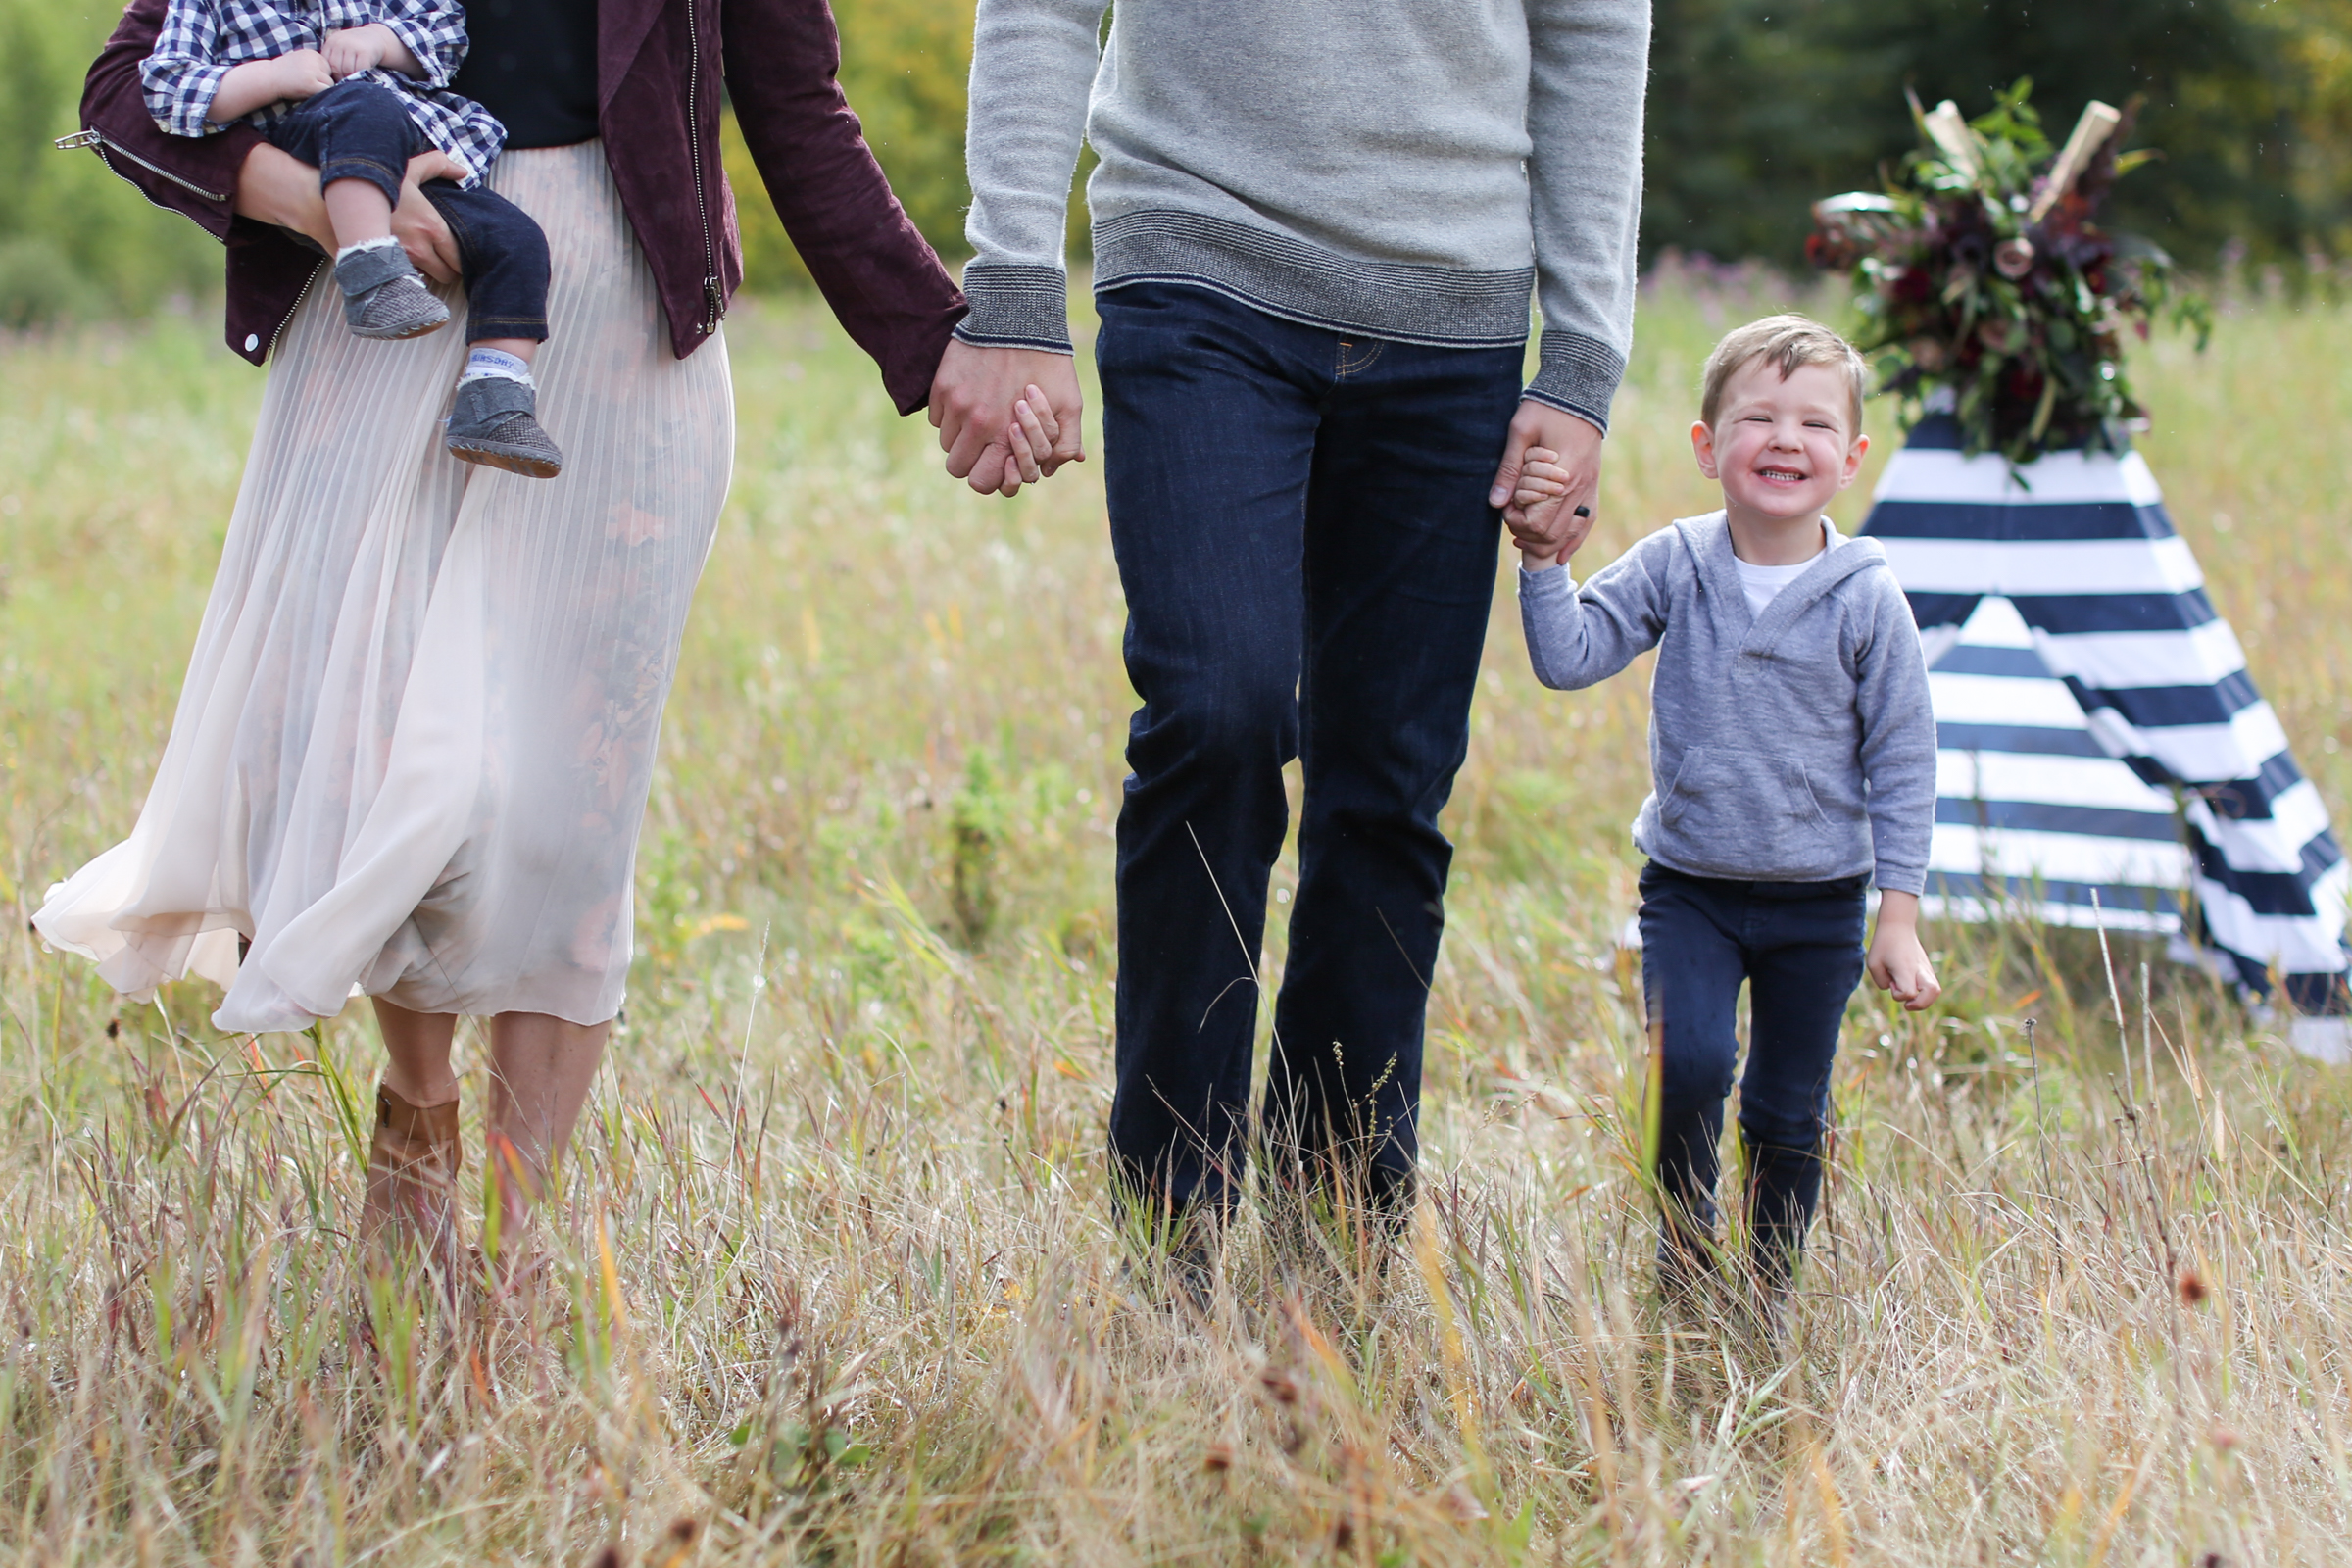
column 388, row 242
column 482, row 362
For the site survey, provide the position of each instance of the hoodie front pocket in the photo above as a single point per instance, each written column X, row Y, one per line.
column 1741, row 801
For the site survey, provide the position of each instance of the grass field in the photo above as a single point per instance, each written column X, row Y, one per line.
column 838, row 1282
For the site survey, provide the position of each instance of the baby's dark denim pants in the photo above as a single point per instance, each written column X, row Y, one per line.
column 360, row 130
column 1798, row 947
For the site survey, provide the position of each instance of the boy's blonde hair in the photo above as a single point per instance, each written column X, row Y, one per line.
column 1787, row 341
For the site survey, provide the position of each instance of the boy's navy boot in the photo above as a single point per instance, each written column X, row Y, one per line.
column 383, row 297
column 495, row 421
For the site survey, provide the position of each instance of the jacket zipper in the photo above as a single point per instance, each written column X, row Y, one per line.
column 96, row 141
column 285, row 321
column 715, row 296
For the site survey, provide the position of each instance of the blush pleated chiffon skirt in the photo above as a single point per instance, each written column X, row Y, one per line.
column 417, row 736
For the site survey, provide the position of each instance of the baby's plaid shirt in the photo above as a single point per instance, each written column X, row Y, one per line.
column 201, row 39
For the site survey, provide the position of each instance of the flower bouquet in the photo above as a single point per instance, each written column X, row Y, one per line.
column 1981, row 277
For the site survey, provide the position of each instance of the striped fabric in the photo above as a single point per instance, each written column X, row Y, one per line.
column 2083, row 683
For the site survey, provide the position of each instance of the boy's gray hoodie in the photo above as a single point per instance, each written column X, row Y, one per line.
column 1798, row 746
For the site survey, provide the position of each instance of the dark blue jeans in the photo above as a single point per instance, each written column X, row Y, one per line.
column 359, row 130
column 1798, row 947
column 1302, row 527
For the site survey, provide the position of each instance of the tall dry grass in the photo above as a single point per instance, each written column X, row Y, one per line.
column 835, row 1280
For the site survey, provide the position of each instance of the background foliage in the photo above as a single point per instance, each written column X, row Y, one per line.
column 75, row 241
column 1756, row 107
column 1759, row 105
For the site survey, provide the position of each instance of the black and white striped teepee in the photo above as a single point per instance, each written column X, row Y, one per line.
column 2098, row 733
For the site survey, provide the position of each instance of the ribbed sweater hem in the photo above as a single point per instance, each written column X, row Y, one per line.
column 1283, row 276
column 1018, row 306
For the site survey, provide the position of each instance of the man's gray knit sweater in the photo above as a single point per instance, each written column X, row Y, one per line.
column 1402, row 169
column 1796, row 745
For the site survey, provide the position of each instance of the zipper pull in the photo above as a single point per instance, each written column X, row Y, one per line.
column 77, row 141
column 715, row 304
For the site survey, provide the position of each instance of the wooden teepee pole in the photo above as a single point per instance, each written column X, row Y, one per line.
column 2097, row 123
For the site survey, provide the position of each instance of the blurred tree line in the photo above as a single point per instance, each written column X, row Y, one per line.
column 1756, row 107
column 74, row 240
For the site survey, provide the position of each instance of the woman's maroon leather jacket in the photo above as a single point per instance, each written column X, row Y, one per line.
column 659, row 65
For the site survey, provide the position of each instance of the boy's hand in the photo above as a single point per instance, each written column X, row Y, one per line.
column 304, row 73
column 1542, row 491
column 1898, row 965
column 257, row 83
column 1575, row 446
column 351, row 50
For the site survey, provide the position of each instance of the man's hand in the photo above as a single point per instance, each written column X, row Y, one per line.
column 351, row 50
column 1551, row 528
column 1006, row 416
column 1898, row 965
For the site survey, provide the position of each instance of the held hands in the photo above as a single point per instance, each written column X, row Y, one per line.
column 1543, row 514
column 1898, row 965
column 1006, row 416
column 1544, row 485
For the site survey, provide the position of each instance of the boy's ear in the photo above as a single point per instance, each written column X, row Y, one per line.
column 1853, row 461
column 1702, row 447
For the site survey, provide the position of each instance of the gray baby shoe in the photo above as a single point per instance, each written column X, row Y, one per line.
column 384, row 297
column 494, row 422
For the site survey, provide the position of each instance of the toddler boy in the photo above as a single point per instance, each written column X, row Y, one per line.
column 356, row 88
column 1792, row 757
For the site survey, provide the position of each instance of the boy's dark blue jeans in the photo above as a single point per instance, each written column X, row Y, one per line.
column 1300, row 521
column 360, row 130
column 1798, row 947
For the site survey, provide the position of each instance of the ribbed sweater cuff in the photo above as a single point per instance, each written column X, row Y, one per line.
column 1891, row 878
column 1579, row 376
column 1016, row 307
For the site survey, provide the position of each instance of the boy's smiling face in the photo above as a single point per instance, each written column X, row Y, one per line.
column 1781, row 448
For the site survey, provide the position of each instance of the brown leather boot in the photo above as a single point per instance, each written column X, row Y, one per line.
column 412, row 1167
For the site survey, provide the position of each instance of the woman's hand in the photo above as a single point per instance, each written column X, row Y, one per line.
column 417, row 223
column 277, row 187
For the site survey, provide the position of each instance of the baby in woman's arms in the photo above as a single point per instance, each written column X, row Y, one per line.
column 355, row 88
